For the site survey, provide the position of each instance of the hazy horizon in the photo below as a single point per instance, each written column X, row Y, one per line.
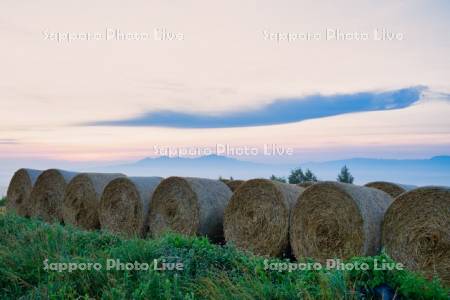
column 421, row 171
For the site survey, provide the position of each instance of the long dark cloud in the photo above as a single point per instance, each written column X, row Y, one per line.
column 280, row 111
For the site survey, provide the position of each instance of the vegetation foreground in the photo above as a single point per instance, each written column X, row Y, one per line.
column 209, row 271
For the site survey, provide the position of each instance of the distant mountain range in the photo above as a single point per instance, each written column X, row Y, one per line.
column 434, row 171
column 211, row 166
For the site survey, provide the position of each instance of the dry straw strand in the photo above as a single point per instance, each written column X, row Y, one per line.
column 416, row 231
column 82, row 199
column 124, row 205
column 257, row 217
column 234, row 184
column 48, row 193
column 190, row 206
column 393, row 189
column 19, row 191
column 337, row 220
column 306, row 184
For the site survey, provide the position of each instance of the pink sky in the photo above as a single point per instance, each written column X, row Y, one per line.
column 220, row 61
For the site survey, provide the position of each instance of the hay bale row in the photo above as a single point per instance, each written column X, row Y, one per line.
column 257, row 217
column 124, row 205
column 121, row 204
column 191, row 206
column 326, row 220
column 416, row 231
column 19, row 191
column 82, row 199
column 338, row 220
column 393, row 189
column 48, row 194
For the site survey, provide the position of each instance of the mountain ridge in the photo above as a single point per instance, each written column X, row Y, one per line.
column 430, row 171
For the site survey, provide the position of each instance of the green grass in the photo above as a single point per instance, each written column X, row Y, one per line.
column 210, row 271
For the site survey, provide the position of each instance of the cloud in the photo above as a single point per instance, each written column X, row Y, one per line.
column 280, row 111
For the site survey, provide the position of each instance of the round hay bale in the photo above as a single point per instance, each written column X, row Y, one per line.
column 19, row 191
column 337, row 220
column 257, row 217
column 125, row 203
column 306, row 184
column 48, row 194
column 82, row 199
column 393, row 189
column 190, row 206
column 416, row 231
column 234, row 184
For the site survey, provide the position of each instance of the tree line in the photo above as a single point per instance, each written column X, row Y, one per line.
column 298, row 176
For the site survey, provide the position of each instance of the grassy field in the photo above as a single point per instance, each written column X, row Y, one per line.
column 2, row 205
column 209, row 271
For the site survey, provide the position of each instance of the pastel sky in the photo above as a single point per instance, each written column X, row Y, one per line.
column 209, row 72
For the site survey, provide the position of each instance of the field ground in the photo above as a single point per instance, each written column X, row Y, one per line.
column 209, row 271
